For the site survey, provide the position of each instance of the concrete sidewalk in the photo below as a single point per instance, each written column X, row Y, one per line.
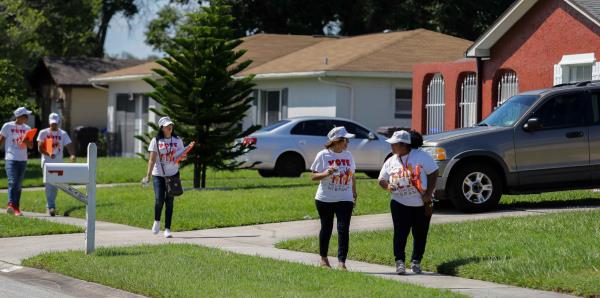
column 259, row 240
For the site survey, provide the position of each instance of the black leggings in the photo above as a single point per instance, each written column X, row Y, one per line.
column 343, row 212
column 406, row 219
column 161, row 198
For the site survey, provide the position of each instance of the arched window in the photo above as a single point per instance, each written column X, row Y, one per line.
column 508, row 85
column 468, row 100
column 435, row 104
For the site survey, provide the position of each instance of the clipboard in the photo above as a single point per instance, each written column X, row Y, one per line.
column 183, row 155
column 49, row 146
column 30, row 134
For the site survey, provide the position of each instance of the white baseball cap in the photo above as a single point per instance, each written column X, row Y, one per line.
column 165, row 121
column 338, row 133
column 54, row 118
column 21, row 112
column 401, row 136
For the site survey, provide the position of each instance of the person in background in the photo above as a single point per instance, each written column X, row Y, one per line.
column 15, row 143
column 410, row 176
column 51, row 144
column 334, row 167
column 164, row 150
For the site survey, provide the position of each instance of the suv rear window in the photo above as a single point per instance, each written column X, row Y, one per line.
column 596, row 106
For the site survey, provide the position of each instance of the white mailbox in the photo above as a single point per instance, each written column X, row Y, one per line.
column 63, row 174
column 67, row 173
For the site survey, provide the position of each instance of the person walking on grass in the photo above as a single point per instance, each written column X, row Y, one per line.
column 51, row 144
column 13, row 135
column 165, row 149
column 410, row 176
column 336, row 196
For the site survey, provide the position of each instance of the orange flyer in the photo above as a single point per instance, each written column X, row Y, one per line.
column 49, row 146
column 30, row 134
column 183, row 155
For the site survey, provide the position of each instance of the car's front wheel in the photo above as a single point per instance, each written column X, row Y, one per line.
column 476, row 188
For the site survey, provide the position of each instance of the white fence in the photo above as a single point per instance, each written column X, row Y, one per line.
column 468, row 101
column 508, row 85
column 435, row 105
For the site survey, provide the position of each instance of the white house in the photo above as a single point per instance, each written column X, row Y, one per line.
column 365, row 78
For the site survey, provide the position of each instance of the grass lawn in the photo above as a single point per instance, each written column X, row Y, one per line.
column 194, row 271
column 252, row 201
column 557, row 252
column 16, row 226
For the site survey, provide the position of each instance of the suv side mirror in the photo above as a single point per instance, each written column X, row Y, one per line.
column 532, row 124
column 372, row 136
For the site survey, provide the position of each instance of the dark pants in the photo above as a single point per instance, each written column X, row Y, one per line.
column 15, row 172
column 161, row 198
column 406, row 219
column 343, row 212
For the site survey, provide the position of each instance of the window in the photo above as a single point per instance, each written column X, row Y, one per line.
column 271, row 107
column 579, row 73
column 403, row 108
column 312, row 128
column 360, row 132
column 508, row 86
column 511, row 111
column 563, row 111
column 274, row 126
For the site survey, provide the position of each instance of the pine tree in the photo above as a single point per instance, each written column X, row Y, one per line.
column 197, row 90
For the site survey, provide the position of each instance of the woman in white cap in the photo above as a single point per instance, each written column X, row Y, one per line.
column 410, row 176
column 164, row 150
column 15, row 148
column 334, row 167
column 51, row 144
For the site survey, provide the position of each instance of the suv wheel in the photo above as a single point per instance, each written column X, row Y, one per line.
column 289, row 165
column 266, row 173
column 476, row 188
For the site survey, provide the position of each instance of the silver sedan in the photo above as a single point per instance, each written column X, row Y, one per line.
column 288, row 148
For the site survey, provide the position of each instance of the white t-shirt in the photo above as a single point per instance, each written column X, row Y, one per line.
column 409, row 175
column 338, row 186
column 14, row 147
column 169, row 150
column 59, row 139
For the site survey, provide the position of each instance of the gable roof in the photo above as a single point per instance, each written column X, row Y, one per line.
column 392, row 52
column 76, row 71
column 481, row 47
column 381, row 55
column 261, row 48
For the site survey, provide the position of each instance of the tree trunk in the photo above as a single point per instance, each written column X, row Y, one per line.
column 204, row 176
column 197, row 168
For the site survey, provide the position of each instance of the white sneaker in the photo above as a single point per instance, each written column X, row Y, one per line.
column 415, row 266
column 400, row 267
column 168, row 233
column 156, row 227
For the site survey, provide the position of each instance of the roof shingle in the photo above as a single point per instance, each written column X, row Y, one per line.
column 78, row 70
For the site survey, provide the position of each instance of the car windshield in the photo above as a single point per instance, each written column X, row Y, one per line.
column 273, row 126
column 510, row 112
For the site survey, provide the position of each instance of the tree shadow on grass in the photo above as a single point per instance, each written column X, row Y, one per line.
column 451, row 267
column 585, row 202
column 248, row 187
column 67, row 212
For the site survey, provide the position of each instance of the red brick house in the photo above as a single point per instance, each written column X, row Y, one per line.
column 535, row 44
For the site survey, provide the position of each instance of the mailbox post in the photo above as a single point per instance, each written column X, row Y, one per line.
column 63, row 174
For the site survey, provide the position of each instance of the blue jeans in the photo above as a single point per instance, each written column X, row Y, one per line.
column 51, row 192
column 15, row 171
column 161, row 198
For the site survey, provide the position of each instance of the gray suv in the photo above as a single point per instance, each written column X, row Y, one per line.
column 539, row 141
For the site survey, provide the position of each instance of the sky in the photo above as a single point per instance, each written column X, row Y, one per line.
column 128, row 36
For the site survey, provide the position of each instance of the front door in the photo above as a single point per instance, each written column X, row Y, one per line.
column 125, row 124
column 311, row 136
column 557, row 154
